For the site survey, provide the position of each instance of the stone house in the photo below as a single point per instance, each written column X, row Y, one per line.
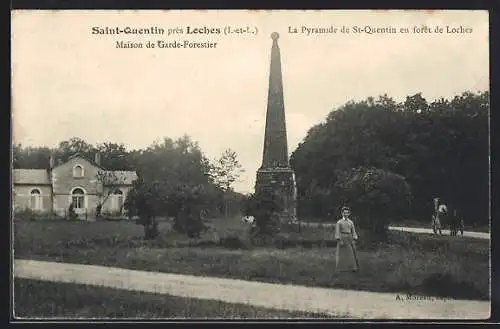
column 79, row 180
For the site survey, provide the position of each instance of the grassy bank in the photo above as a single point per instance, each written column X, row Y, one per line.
column 407, row 263
column 55, row 300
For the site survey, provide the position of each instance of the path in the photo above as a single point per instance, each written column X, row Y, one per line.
column 477, row 235
column 420, row 230
column 334, row 302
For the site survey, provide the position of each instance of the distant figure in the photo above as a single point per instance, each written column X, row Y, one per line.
column 436, row 224
column 345, row 233
column 440, row 211
column 459, row 222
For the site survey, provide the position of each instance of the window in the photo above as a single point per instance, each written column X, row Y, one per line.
column 117, row 199
column 78, row 171
column 36, row 199
column 78, row 198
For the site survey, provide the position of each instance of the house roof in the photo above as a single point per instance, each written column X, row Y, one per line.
column 30, row 176
column 41, row 176
column 79, row 155
column 119, row 177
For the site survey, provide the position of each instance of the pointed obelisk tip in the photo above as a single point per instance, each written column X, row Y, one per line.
column 275, row 35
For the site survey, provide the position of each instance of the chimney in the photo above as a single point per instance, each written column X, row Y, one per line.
column 51, row 161
column 97, row 158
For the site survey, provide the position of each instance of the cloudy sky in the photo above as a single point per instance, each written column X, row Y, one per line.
column 70, row 83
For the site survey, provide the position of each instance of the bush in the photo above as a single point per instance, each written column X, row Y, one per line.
column 377, row 198
column 265, row 207
column 232, row 242
column 427, row 243
column 189, row 222
column 151, row 230
column 28, row 214
column 112, row 218
column 71, row 213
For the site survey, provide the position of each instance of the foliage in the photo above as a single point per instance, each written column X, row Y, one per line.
column 188, row 205
column 441, row 148
column 75, row 145
column 30, row 157
column 113, row 155
column 173, row 181
column 140, row 202
column 264, row 206
column 377, row 197
column 104, row 177
column 30, row 215
column 224, row 172
column 71, row 212
column 175, row 178
column 232, row 242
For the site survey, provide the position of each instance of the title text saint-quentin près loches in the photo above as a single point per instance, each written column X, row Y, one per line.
column 154, row 30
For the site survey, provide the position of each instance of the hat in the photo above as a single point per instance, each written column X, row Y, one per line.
column 345, row 208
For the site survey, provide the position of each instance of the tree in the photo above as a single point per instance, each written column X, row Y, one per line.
column 114, row 156
column 31, row 157
column 188, row 203
column 441, row 148
column 16, row 155
column 141, row 201
column 174, row 182
column 377, row 197
column 74, row 145
column 416, row 104
column 103, row 178
column 225, row 171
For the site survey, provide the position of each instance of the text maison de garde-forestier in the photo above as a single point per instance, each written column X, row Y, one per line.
column 156, row 30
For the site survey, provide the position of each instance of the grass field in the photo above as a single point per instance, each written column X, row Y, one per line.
column 35, row 299
column 444, row 266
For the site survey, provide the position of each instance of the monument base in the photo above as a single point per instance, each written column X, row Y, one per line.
column 281, row 182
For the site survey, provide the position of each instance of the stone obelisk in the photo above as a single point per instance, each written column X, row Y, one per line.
column 275, row 173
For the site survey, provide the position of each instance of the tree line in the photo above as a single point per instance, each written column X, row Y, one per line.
column 385, row 159
column 416, row 149
column 164, row 167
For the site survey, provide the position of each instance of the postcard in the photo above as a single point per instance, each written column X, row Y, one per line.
column 250, row 164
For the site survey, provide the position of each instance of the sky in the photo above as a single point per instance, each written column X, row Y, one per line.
column 68, row 82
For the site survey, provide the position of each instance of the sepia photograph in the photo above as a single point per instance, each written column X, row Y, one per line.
column 250, row 164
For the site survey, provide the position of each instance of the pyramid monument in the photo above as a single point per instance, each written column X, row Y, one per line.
column 275, row 174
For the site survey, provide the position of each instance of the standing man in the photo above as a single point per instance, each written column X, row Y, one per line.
column 345, row 233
